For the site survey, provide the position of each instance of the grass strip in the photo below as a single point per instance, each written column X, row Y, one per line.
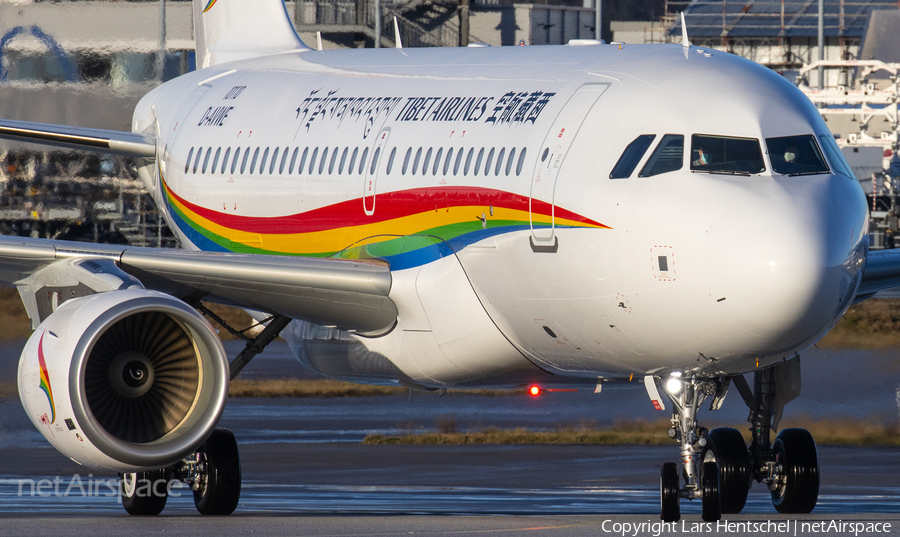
column 336, row 388
column 838, row 432
column 307, row 388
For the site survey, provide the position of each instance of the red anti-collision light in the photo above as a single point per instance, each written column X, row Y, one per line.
column 534, row 391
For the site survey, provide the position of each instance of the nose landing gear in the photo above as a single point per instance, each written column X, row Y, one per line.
column 701, row 481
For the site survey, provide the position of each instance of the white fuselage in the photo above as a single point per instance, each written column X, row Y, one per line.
column 537, row 259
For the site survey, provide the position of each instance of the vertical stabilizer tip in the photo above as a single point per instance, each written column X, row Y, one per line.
column 684, row 37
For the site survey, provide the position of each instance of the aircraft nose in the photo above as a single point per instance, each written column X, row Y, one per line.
column 784, row 266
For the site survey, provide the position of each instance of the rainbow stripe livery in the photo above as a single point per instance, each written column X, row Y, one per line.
column 409, row 228
column 45, row 380
column 209, row 5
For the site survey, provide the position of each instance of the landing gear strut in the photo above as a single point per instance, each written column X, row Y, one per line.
column 789, row 466
column 701, row 481
column 213, row 473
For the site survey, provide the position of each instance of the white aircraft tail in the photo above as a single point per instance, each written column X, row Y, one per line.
column 228, row 30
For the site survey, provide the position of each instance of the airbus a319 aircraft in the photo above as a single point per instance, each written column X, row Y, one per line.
column 571, row 215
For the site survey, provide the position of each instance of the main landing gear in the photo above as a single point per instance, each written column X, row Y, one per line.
column 717, row 466
column 213, row 473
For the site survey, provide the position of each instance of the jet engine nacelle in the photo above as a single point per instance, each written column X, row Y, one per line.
column 124, row 380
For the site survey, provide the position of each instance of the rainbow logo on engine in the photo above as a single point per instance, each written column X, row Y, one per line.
column 209, row 5
column 45, row 379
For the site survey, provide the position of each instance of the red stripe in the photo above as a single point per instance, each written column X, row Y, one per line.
column 389, row 205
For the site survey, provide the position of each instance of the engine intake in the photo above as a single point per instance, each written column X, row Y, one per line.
column 132, row 379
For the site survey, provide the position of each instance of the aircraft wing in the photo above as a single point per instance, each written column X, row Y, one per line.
column 118, row 142
column 882, row 272
column 347, row 294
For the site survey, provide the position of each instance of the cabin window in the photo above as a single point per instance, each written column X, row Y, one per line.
column 500, row 161
column 362, row 160
column 390, row 163
column 630, row 157
column 352, row 160
column 487, row 163
column 447, row 160
column 244, row 161
column 406, row 161
column 197, row 160
column 274, row 161
column 469, row 161
column 416, row 161
column 302, row 160
column 374, row 165
column 323, row 161
column 459, row 156
column 253, row 161
column 284, row 157
column 437, row 161
column 234, row 161
column 427, row 160
column 835, row 155
column 343, row 161
column 262, row 164
column 512, row 158
column 225, row 160
column 667, row 157
column 334, row 155
column 312, row 161
column 293, row 161
column 215, row 163
column 521, row 162
column 796, row 155
column 726, row 155
column 478, row 160
column 206, row 159
column 187, row 163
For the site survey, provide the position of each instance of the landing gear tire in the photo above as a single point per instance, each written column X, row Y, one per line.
column 725, row 446
column 670, row 509
column 144, row 493
column 797, row 485
column 220, row 485
column 709, row 490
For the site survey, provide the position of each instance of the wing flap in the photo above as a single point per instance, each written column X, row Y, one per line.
column 350, row 295
column 118, row 142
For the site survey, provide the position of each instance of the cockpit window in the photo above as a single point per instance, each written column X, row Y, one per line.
column 632, row 155
column 667, row 157
column 796, row 155
column 835, row 155
column 726, row 154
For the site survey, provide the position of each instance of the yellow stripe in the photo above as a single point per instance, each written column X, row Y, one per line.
column 339, row 238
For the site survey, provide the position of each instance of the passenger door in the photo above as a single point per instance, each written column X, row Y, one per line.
column 371, row 171
column 551, row 157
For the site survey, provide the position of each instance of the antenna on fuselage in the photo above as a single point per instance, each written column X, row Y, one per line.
column 684, row 37
column 397, row 33
column 318, row 40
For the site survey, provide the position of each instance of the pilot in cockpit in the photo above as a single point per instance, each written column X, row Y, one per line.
column 702, row 157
